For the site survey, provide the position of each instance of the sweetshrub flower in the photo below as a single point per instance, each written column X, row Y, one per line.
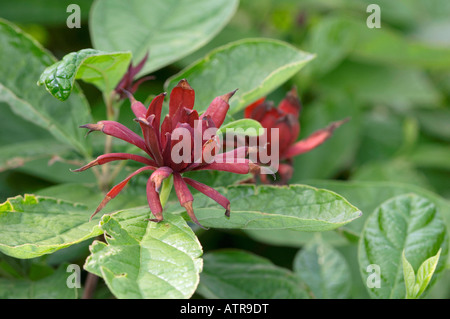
column 285, row 118
column 127, row 82
column 160, row 142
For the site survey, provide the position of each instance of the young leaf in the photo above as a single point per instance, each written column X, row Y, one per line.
column 294, row 207
column 253, row 66
column 32, row 226
column 248, row 127
column 409, row 277
column 103, row 69
column 143, row 259
column 23, row 60
column 407, row 223
column 167, row 29
column 425, row 273
column 235, row 274
column 324, row 270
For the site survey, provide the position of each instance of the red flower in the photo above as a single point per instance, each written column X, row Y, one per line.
column 286, row 119
column 127, row 84
column 158, row 144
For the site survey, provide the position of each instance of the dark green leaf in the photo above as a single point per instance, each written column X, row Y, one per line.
column 234, row 274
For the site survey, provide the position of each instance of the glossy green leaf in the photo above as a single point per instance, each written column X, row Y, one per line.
column 167, row 29
column 102, row 69
column 294, row 207
column 407, row 223
column 253, row 66
column 324, row 270
column 53, row 286
column 32, row 226
column 143, row 259
column 235, row 274
column 23, row 60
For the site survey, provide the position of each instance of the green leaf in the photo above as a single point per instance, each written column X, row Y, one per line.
column 143, row 259
column 324, row 270
column 253, row 66
column 53, row 286
column 294, row 207
column 407, row 223
column 248, row 127
column 292, row 238
column 367, row 196
column 102, row 69
column 17, row 154
column 167, row 29
column 32, row 226
column 23, row 60
column 425, row 272
column 409, row 277
column 235, row 274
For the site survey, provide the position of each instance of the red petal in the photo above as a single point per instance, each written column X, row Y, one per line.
column 154, row 202
column 314, row 140
column 155, row 109
column 237, row 168
column 118, row 130
column 137, row 107
column 184, row 196
column 218, row 108
column 106, row 158
column 151, row 138
column 118, row 188
column 249, row 109
column 211, row 193
column 291, row 103
column 182, row 95
column 159, row 175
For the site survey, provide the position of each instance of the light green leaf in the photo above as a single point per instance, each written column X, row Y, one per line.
column 143, row 259
column 294, row 207
column 32, row 226
column 253, row 66
column 248, row 127
column 23, row 60
column 167, row 29
column 324, row 270
column 409, row 277
column 53, row 286
column 235, row 274
column 102, row 69
column 425, row 272
column 407, row 223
